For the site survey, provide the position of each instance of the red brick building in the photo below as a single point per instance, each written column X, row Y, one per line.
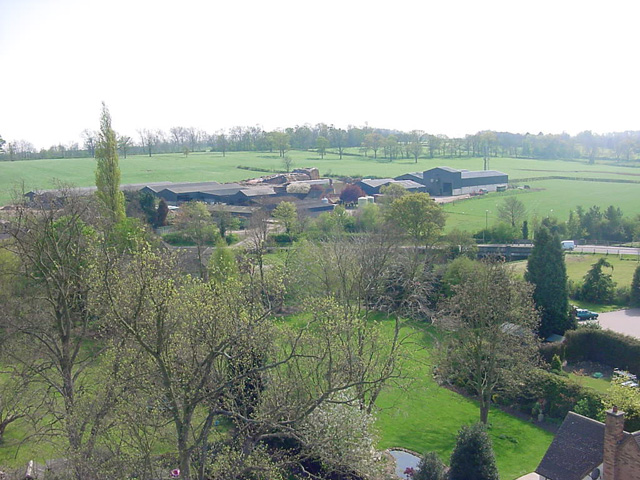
column 585, row 449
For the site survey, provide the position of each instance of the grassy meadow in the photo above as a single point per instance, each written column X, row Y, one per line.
column 546, row 197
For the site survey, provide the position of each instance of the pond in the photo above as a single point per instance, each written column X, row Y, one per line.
column 403, row 461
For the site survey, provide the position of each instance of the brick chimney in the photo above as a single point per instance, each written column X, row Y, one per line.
column 613, row 436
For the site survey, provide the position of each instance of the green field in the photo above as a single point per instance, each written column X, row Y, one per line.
column 545, row 198
column 579, row 264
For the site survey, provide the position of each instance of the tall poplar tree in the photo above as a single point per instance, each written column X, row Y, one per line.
column 547, row 272
column 108, row 170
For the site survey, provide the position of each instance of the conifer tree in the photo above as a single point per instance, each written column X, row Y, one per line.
column 598, row 286
column 108, row 170
column 473, row 455
column 635, row 288
column 547, row 272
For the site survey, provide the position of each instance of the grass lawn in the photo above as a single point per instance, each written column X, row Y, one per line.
column 599, row 384
column 426, row 417
column 578, row 264
column 623, row 267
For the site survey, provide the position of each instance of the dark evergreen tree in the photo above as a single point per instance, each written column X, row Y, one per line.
column 525, row 230
column 430, row 468
column 473, row 455
column 163, row 211
column 635, row 288
column 547, row 272
column 598, row 286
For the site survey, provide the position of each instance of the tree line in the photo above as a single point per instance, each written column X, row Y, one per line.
column 386, row 143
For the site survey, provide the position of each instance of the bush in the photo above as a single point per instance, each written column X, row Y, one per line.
column 473, row 455
column 177, row 239
column 430, row 468
column 556, row 364
column 622, row 295
column 560, row 394
column 283, row 238
column 550, row 350
column 603, row 346
column 232, row 238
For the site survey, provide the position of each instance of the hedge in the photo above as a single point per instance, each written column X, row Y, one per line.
column 603, row 346
column 560, row 393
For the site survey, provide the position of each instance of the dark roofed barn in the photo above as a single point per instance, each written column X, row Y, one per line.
column 446, row 181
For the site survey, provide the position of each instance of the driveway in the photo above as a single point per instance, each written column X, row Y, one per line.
column 622, row 321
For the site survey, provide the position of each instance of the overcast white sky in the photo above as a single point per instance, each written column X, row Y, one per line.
column 446, row 66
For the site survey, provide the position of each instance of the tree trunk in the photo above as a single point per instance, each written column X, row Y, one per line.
column 485, row 402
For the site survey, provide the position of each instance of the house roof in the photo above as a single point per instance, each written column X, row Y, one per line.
column 575, row 451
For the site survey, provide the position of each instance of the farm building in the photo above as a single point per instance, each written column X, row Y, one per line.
column 372, row 186
column 446, row 181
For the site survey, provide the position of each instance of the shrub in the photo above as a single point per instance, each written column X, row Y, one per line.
column 550, row 350
column 232, row 238
column 556, row 364
column 283, row 238
column 473, row 455
column 430, row 468
column 591, row 407
column 560, row 394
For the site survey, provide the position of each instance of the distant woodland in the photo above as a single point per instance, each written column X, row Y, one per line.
column 364, row 141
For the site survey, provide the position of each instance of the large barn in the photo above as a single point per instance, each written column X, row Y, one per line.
column 446, row 181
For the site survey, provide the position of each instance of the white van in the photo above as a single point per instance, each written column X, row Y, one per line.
column 568, row 244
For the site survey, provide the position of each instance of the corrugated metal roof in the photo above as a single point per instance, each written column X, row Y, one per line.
column 376, row 182
column 257, row 191
column 481, row 174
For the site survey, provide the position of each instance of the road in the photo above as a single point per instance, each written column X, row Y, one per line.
column 622, row 321
column 605, row 249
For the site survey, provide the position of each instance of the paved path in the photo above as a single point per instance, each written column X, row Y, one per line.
column 622, row 321
column 530, row 476
column 605, row 249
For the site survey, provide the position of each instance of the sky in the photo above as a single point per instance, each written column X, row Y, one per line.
column 451, row 67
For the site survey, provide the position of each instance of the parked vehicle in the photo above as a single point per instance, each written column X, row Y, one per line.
column 629, row 379
column 568, row 244
column 584, row 314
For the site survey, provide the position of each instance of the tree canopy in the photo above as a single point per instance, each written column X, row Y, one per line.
column 419, row 216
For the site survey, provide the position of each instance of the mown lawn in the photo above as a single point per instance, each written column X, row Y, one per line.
column 426, row 417
column 599, row 384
